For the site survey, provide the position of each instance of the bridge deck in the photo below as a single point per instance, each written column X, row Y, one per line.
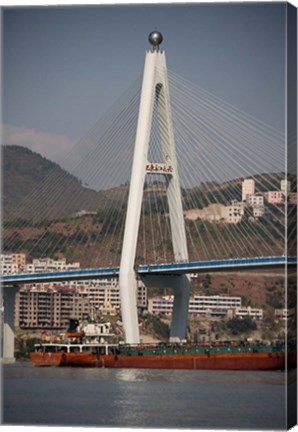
column 154, row 269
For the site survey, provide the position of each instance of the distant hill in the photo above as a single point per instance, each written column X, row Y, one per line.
column 36, row 188
column 40, row 200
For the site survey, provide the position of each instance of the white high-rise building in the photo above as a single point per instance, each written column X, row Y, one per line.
column 248, row 188
column 285, row 186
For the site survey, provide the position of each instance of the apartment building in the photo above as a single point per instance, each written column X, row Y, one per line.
column 279, row 197
column 253, row 313
column 284, row 314
column 50, row 309
column 248, row 188
column 50, row 305
column 19, row 259
column 255, row 200
column 41, row 265
column 198, row 305
column 234, row 212
column 258, row 211
column 16, row 263
column 8, row 265
column 275, row 197
column 213, row 306
column 285, row 186
column 272, row 197
column 104, row 295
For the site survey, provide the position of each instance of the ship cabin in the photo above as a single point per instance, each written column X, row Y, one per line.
column 97, row 349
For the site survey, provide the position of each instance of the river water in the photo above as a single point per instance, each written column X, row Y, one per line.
column 142, row 398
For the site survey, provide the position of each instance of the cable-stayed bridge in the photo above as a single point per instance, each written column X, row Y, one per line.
column 209, row 189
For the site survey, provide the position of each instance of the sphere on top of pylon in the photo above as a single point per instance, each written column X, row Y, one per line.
column 155, row 38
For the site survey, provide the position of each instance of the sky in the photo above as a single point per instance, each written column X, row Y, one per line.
column 63, row 67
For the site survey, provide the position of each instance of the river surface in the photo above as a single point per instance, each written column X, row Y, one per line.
column 142, row 398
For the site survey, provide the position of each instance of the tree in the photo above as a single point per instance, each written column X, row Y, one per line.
column 25, row 346
column 238, row 326
column 207, row 281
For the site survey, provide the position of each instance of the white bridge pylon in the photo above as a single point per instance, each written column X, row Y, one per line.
column 155, row 92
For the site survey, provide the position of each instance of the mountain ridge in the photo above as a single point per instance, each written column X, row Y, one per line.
column 28, row 178
column 35, row 188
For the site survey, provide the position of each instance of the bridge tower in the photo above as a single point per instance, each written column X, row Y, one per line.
column 155, row 91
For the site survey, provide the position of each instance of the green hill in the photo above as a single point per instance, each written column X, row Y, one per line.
column 34, row 188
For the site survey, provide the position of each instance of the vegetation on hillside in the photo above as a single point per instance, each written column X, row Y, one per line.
column 153, row 325
column 238, row 326
column 32, row 183
column 95, row 239
column 24, row 345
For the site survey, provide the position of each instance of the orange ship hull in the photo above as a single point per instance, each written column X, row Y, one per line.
column 46, row 358
column 202, row 362
column 241, row 361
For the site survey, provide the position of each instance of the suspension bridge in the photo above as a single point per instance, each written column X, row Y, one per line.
column 180, row 208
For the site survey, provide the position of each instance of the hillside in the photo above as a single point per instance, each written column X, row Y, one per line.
column 222, row 193
column 40, row 200
column 35, row 188
column 28, row 178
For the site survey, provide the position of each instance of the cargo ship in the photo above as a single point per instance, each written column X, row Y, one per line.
column 208, row 357
column 85, row 349
column 165, row 356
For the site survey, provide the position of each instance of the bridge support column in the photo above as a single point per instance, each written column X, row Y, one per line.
column 181, row 287
column 180, row 310
column 9, row 296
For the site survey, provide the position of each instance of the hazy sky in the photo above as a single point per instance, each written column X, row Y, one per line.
column 63, row 67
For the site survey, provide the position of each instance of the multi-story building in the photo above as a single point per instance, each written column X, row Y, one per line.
column 275, row 197
column 19, row 259
column 248, row 188
column 234, row 212
column 161, row 305
column 284, row 314
column 255, row 200
column 207, row 306
column 50, row 265
column 8, row 265
column 16, row 263
column 142, row 301
column 213, row 305
column 249, row 311
column 285, row 186
column 50, row 309
column 198, row 305
column 280, row 196
column 230, row 214
column 258, row 211
column 104, row 295
column 52, row 304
